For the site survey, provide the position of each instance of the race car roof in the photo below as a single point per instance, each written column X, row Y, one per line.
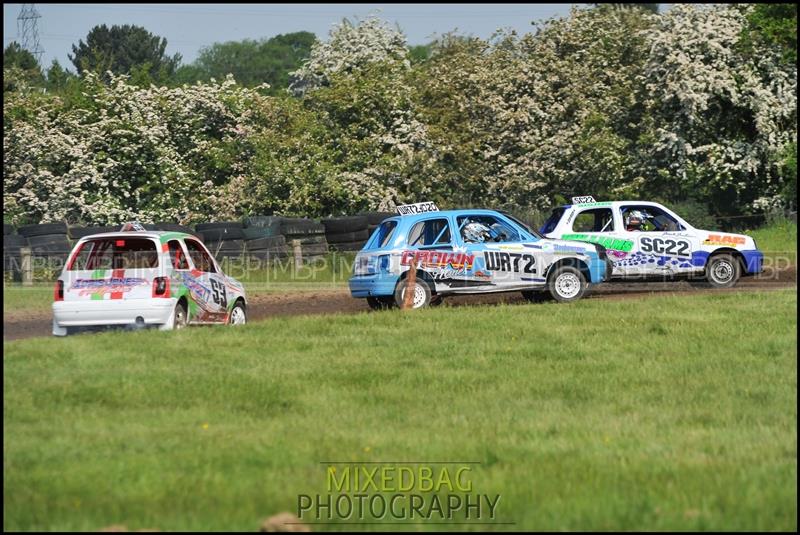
column 138, row 233
column 610, row 203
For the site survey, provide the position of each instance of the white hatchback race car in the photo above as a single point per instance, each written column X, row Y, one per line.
column 142, row 278
column 645, row 239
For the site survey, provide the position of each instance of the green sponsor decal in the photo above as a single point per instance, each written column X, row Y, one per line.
column 97, row 275
column 618, row 244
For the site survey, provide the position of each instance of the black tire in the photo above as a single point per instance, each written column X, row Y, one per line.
column 228, row 246
column 376, row 218
column 347, row 246
column 80, row 232
column 218, row 224
column 301, row 226
column 180, row 317
column 421, row 301
column 339, row 225
column 381, row 302
column 263, row 221
column 722, row 271
column 57, row 240
column 41, row 230
column 8, row 229
column 222, row 234
column 14, row 241
column 254, row 233
column 345, row 237
column 240, row 308
column 537, row 296
column 307, row 239
column 566, row 284
column 269, row 242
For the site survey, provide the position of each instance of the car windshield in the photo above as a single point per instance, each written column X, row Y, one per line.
column 525, row 226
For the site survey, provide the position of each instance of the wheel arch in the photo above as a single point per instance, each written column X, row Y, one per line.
column 577, row 263
column 421, row 274
column 730, row 251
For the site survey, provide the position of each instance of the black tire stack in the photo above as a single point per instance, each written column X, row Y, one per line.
column 374, row 219
column 224, row 239
column 263, row 239
column 346, row 233
column 310, row 234
column 77, row 233
column 12, row 243
column 48, row 240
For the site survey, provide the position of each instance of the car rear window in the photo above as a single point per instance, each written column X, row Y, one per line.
column 552, row 222
column 116, row 253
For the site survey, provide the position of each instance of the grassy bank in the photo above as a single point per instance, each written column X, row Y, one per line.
column 664, row 413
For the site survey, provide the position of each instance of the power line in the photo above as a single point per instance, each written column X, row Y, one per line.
column 28, row 31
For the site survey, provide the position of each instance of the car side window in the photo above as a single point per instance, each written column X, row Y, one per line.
column 430, row 232
column 648, row 219
column 200, row 258
column 496, row 229
column 176, row 256
column 594, row 220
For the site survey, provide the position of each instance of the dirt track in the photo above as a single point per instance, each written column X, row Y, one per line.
column 338, row 301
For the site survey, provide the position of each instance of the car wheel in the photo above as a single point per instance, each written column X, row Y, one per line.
column 723, row 271
column 380, row 303
column 537, row 296
column 181, row 318
column 420, row 298
column 238, row 315
column 566, row 284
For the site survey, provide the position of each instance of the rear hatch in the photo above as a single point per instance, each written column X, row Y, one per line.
column 112, row 267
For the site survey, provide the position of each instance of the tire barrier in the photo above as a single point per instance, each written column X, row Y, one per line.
column 340, row 225
column 344, row 237
column 301, row 227
column 77, row 233
column 8, row 229
column 40, row 230
column 222, row 233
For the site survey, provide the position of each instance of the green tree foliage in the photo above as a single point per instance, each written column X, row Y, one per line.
column 774, row 25
column 29, row 71
column 251, row 62
column 617, row 103
column 120, row 49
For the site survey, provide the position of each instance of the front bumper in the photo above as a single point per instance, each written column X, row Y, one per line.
column 372, row 285
column 753, row 261
column 156, row 311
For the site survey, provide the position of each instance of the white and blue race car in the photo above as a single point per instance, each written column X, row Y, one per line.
column 467, row 252
column 645, row 239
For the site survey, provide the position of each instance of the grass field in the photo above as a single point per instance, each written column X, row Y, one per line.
column 669, row 412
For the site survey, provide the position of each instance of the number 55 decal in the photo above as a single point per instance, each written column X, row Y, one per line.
column 219, row 294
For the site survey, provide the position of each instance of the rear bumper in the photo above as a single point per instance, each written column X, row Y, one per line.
column 154, row 311
column 372, row 285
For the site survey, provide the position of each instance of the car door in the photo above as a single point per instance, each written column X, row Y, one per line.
column 660, row 243
column 501, row 263
column 205, row 283
column 429, row 247
column 601, row 225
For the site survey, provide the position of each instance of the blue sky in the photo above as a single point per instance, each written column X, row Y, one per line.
column 189, row 27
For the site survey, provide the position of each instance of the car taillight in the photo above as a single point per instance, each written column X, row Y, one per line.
column 161, row 287
column 58, row 291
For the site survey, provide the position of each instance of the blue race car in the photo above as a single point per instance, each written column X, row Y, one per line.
column 468, row 252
